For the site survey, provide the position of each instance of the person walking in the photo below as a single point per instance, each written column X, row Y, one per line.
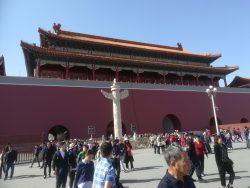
column 60, row 165
column 10, row 159
column 104, row 175
column 177, row 170
column 128, row 156
column 47, row 159
column 200, row 153
column 85, row 171
column 36, row 153
column 195, row 165
column 81, row 154
column 2, row 157
column 116, row 152
column 246, row 134
column 224, row 163
column 72, row 163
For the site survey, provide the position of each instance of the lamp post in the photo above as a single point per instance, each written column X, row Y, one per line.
column 211, row 92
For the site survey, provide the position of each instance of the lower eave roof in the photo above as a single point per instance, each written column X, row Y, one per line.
column 239, row 82
column 51, row 52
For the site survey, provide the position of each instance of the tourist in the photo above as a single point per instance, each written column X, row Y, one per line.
column 224, row 163
column 239, row 136
column 36, row 153
column 207, row 141
column 228, row 137
column 85, row 171
column 47, row 158
column 128, row 156
column 183, row 143
column 43, row 149
column 104, row 176
column 10, row 159
column 116, row 151
column 177, row 170
column 60, row 165
column 155, row 144
column 2, row 160
column 81, row 154
column 200, row 152
column 72, row 163
column 159, row 143
column 195, row 165
column 246, row 134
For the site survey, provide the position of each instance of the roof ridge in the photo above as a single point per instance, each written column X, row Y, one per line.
column 121, row 40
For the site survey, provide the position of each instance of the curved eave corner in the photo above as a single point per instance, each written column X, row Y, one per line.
column 28, row 65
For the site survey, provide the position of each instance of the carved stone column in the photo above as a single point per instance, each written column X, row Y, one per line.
column 116, row 96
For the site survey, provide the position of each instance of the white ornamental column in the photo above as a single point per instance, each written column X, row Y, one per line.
column 116, row 96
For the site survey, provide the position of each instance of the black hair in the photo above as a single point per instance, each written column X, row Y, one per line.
column 90, row 152
column 61, row 144
column 106, row 149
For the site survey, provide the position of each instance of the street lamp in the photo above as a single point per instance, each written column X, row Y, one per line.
column 211, row 92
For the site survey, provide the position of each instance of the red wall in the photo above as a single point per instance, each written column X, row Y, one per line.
column 28, row 112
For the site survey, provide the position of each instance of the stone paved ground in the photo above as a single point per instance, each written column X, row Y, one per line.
column 149, row 170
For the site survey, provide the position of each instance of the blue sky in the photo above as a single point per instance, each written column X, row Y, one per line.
column 201, row 26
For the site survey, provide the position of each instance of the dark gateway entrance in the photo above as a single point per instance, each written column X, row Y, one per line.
column 212, row 124
column 59, row 132
column 171, row 123
column 110, row 129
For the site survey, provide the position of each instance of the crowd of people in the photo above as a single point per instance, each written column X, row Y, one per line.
column 73, row 160
column 184, row 153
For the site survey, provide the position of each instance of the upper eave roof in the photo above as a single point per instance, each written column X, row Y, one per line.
column 79, row 37
column 50, row 52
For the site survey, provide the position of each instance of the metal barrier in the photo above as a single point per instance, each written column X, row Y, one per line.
column 24, row 157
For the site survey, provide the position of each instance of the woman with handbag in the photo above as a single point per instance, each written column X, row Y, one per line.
column 224, row 163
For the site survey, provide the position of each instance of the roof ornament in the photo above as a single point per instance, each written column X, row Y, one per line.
column 179, row 45
column 57, row 28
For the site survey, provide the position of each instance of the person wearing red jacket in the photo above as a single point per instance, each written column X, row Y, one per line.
column 200, row 152
column 183, row 141
column 172, row 138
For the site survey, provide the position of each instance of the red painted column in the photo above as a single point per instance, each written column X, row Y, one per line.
column 67, row 71
column 225, row 81
column 212, row 80
column 137, row 76
column 197, row 80
column 117, row 75
column 181, row 80
column 93, row 72
column 38, row 69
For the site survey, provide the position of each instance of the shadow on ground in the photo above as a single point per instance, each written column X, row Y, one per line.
column 147, row 168
column 218, row 179
column 26, row 176
column 139, row 180
column 211, row 174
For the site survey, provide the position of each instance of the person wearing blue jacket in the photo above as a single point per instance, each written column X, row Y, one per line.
column 85, row 171
column 60, row 165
